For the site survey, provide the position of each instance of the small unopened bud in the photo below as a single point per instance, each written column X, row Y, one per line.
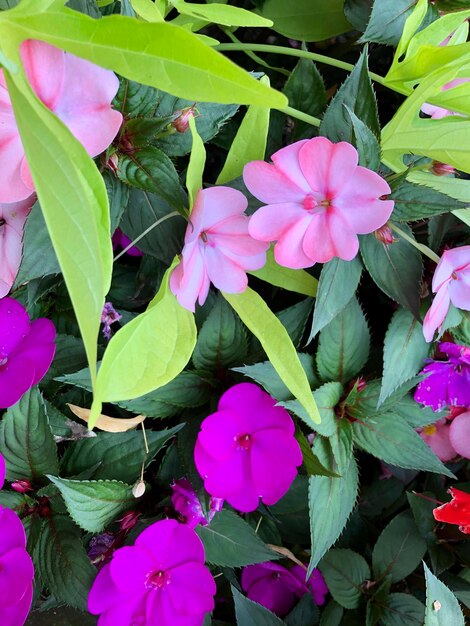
column 129, row 520
column 361, row 384
column 442, row 169
column 138, row 489
column 181, row 123
column 21, row 486
column 384, row 235
column 113, row 163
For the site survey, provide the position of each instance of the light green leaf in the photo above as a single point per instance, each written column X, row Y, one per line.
column 307, row 20
column 141, row 357
column 442, row 607
column 197, row 161
column 327, row 397
column 298, row 281
column 147, row 10
column 249, row 143
column 221, row 14
column 154, row 54
column 93, row 504
column 262, row 322
column 345, row 571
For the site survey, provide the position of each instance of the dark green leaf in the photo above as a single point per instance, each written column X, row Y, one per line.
column 306, row 92
column 311, row 461
column 134, row 99
column 305, row 613
column 249, row 613
column 403, row 609
column 387, row 21
column 416, row 202
column 358, row 13
column 118, row 196
column 327, row 397
column 366, row 143
column 69, row 356
column 343, row 347
column 345, row 571
column 291, row 512
column 332, row 614
column 442, row 607
column 230, row 542
column 26, row 439
column 396, row 268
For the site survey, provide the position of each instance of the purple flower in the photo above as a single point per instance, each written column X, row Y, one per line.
column 161, row 579
column 99, row 546
column 316, row 584
column 121, row 241
column 26, row 351
column 246, row 450
column 109, row 315
column 186, row 503
column 448, row 382
column 273, row 586
column 16, row 571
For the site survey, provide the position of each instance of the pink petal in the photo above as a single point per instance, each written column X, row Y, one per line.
column 26, row 175
column 223, row 272
column 329, row 235
column 220, row 204
column 130, row 568
column 14, row 324
column 191, row 589
column 459, row 289
column 267, row 183
column 13, row 534
column 287, row 161
column 44, row 66
column 187, row 280
column 16, row 575
column 221, row 477
column 16, row 615
column 289, row 249
column 171, row 544
column 460, row 434
column 271, row 221
column 328, row 167
column 443, row 272
column 440, row 442
column 3, row 471
column 12, row 187
column 436, row 314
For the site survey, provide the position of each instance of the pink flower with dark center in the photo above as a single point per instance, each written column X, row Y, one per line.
column 161, row 579
column 12, row 219
column 26, row 350
column 217, row 248
column 16, row 571
column 450, row 283
column 318, row 199
column 246, row 450
column 120, row 240
column 273, row 586
column 77, row 91
column 316, row 584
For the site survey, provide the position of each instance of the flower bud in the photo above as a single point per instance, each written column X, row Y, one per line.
column 113, row 163
column 21, row 486
column 442, row 169
column 129, row 520
column 138, row 489
column 181, row 123
column 384, row 234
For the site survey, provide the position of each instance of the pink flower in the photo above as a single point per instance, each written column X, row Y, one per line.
column 3, row 471
column 16, row 571
column 318, row 200
column 77, row 91
column 437, row 436
column 161, row 579
column 217, row 248
column 437, row 112
column 316, row 584
column 273, row 586
column 12, row 219
column 451, row 283
column 120, row 240
column 26, row 351
column 459, row 433
column 246, row 450
column 109, row 316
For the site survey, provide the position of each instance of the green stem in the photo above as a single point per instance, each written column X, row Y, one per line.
column 146, row 232
column 254, row 57
column 421, row 247
column 302, row 116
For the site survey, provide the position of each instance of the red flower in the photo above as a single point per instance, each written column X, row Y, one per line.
column 457, row 511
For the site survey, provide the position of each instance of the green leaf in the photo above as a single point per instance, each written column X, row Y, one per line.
column 396, row 269
column 306, row 20
column 155, row 54
column 197, row 161
column 118, row 456
column 357, row 94
column 327, row 397
column 403, row 609
column 222, row 341
column 230, row 542
column 306, row 92
column 249, row 144
column 366, row 143
column 337, row 285
column 399, row 548
column 405, row 350
column 134, row 99
column 78, row 217
column 147, row 10
column 118, row 196
column 61, row 562
column 26, row 440
column 311, row 462
column 249, row 613
column 387, row 20
column 442, row 607
column 93, row 504
column 304, row 612
column 391, row 439
column 332, row 614
column 343, row 347
column 262, row 322
column 221, row 14
column 416, row 202
column 298, row 281
column 345, row 571
column 331, row 500
column 137, row 360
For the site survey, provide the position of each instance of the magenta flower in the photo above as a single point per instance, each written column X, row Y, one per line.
column 447, row 382
column 318, row 200
column 77, row 91
column 217, row 248
column 186, row 503
column 12, row 219
column 120, row 240
column 246, row 450
column 16, row 571
column 316, row 584
column 273, row 586
column 109, row 315
column 26, row 351
column 3, row 471
column 450, row 283
column 161, row 579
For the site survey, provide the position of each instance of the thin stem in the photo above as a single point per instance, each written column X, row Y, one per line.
column 254, row 56
column 146, row 232
column 421, row 247
column 314, row 121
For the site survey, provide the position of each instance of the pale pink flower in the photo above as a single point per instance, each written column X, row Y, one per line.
column 451, row 284
column 217, row 248
column 437, row 112
column 318, row 199
column 437, row 436
column 77, row 91
column 12, row 219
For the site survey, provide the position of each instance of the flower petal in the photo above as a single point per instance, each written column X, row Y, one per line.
column 171, row 544
column 437, row 312
column 271, row 221
column 44, row 66
column 223, row 272
column 220, row 204
column 267, row 183
column 329, row 235
column 287, row 161
column 16, row 575
column 130, row 568
column 191, row 589
column 13, row 534
column 289, row 250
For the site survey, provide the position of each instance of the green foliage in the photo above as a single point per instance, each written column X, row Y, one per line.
column 327, row 397
column 298, row 281
column 230, row 542
column 134, row 99
column 220, row 14
column 311, row 462
column 26, row 440
column 343, row 347
column 249, row 613
column 402, row 609
column 345, row 571
column 416, row 202
column 197, row 161
column 442, row 607
column 304, row 612
column 366, row 142
column 306, row 92
column 387, row 20
column 395, row 268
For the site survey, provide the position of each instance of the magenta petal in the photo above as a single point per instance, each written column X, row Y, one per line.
column 130, row 568
column 14, row 324
column 38, row 347
column 12, row 533
column 103, row 593
column 3, row 471
column 458, row 389
column 192, row 589
column 16, row 614
column 160, row 610
column 221, row 478
column 160, row 540
column 432, row 391
column 16, row 574
column 16, row 377
column 267, row 183
column 460, row 434
column 220, row 441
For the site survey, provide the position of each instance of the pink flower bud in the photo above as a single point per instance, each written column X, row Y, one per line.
column 385, row 235
column 129, row 520
column 22, row 486
column 361, row 384
column 442, row 169
column 113, row 163
column 181, row 123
